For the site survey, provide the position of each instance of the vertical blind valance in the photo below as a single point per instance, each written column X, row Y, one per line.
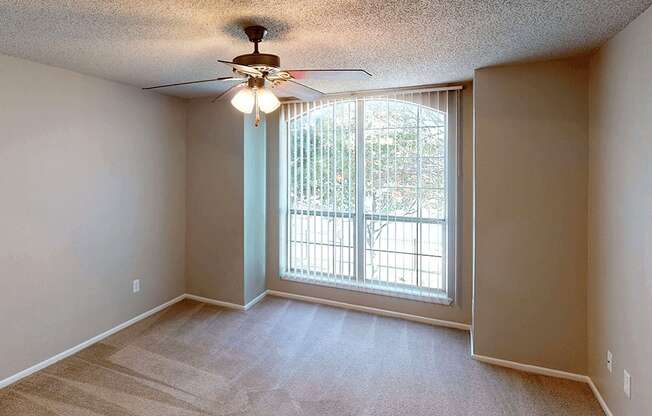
column 369, row 192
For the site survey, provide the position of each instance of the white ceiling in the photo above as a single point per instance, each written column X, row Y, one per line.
column 402, row 43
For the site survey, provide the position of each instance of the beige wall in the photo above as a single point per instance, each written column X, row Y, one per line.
column 226, row 203
column 620, row 217
column 254, row 171
column 92, row 191
column 215, row 195
column 531, row 188
column 458, row 312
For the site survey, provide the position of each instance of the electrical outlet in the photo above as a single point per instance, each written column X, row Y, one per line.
column 610, row 361
column 627, row 385
column 136, row 286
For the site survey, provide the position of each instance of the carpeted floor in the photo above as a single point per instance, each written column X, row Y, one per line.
column 286, row 358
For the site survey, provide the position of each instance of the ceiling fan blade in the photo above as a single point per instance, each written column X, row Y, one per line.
column 243, row 68
column 229, row 93
column 196, row 82
column 330, row 74
column 294, row 89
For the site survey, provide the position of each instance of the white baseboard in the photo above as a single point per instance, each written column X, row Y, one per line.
column 227, row 304
column 216, row 302
column 376, row 311
column 547, row 372
column 255, row 300
column 528, row 368
column 46, row 363
column 598, row 396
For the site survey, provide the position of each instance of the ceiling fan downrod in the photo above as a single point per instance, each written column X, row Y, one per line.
column 256, row 34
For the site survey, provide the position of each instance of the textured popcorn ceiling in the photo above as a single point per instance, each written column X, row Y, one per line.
column 402, row 43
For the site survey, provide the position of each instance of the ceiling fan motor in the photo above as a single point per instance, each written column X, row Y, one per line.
column 261, row 61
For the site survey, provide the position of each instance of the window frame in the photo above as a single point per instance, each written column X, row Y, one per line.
column 452, row 191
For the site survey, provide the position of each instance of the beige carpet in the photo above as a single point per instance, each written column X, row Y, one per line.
column 286, row 358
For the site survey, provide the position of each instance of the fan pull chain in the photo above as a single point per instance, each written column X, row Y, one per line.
column 257, row 108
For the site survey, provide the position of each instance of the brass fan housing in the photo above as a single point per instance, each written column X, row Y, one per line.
column 256, row 82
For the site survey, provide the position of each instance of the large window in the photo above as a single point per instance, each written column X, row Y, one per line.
column 369, row 193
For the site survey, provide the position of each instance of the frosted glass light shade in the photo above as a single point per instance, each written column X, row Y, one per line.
column 267, row 101
column 244, row 100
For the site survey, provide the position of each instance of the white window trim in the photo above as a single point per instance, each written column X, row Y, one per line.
column 453, row 179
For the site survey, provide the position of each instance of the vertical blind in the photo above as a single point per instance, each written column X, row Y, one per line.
column 369, row 190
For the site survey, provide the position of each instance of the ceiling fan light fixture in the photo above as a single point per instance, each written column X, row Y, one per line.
column 267, row 101
column 244, row 100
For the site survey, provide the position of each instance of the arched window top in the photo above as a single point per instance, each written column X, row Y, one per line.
column 393, row 112
column 407, row 111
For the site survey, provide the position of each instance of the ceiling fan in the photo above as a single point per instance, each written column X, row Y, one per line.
column 256, row 74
